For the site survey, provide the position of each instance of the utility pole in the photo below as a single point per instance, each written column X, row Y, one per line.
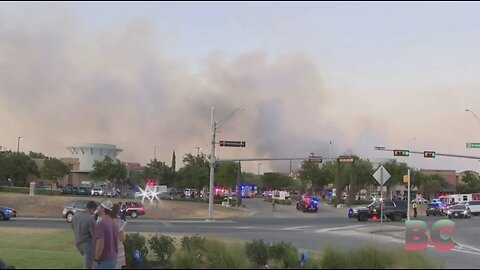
column 330, row 151
column 18, row 144
column 155, row 153
column 212, row 168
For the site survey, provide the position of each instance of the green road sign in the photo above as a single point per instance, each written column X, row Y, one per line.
column 473, row 145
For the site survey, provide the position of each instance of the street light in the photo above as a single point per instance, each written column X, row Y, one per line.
column 474, row 114
column 215, row 125
column 18, row 144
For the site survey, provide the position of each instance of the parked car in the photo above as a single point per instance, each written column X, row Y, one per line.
column 66, row 191
column 434, row 210
column 459, row 211
column 134, row 209
column 393, row 210
column 84, row 191
column 111, row 193
column 474, row 207
column 97, row 191
column 7, row 213
column 308, row 204
column 73, row 207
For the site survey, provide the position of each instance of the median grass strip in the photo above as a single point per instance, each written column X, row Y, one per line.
column 55, row 249
column 44, row 249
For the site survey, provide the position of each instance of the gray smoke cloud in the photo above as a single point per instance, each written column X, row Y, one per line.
column 60, row 86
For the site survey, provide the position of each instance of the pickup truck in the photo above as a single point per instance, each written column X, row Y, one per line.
column 393, row 210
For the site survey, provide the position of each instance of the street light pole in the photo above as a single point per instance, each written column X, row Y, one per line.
column 474, row 114
column 213, row 159
column 18, row 144
column 198, row 150
column 212, row 169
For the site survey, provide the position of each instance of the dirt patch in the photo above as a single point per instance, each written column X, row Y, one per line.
column 52, row 206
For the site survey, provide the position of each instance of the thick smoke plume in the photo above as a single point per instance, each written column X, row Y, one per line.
column 61, row 86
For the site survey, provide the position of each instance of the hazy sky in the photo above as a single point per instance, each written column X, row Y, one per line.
column 139, row 74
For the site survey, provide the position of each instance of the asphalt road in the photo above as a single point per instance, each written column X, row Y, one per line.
column 310, row 231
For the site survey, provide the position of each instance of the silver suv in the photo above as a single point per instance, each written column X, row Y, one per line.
column 73, row 207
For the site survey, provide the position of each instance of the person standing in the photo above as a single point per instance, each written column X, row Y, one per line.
column 120, row 224
column 83, row 224
column 105, row 239
column 414, row 206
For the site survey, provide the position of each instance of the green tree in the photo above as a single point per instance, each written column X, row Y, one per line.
column 471, row 184
column 309, row 173
column 54, row 169
column 433, row 184
column 109, row 170
column 18, row 167
column 227, row 174
column 277, row 180
column 174, row 162
column 195, row 173
column 36, row 155
column 160, row 171
column 360, row 177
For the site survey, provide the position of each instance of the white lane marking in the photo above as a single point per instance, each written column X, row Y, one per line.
column 339, row 228
column 244, row 228
column 167, row 224
column 460, row 245
column 296, row 228
column 38, row 219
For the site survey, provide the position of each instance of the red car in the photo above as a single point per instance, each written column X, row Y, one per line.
column 134, row 209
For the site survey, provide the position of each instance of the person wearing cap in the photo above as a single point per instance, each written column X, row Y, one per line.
column 105, row 239
column 83, row 224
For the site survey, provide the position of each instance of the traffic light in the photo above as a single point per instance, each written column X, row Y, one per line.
column 401, row 153
column 429, row 154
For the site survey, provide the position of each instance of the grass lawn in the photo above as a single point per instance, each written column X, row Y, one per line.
column 30, row 248
column 49, row 248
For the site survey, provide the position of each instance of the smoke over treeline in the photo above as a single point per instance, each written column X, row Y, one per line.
column 61, row 86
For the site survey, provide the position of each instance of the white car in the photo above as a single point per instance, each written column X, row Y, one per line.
column 97, row 192
column 420, row 201
column 474, row 207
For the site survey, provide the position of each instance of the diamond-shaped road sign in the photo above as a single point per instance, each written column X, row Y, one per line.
column 381, row 175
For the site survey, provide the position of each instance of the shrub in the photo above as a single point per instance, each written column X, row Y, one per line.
column 333, row 259
column 134, row 242
column 412, row 260
column 291, row 259
column 193, row 244
column 163, row 246
column 371, row 258
column 222, row 256
column 279, row 250
column 337, row 200
column 279, row 202
column 275, row 264
column 257, row 252
column 183, row 259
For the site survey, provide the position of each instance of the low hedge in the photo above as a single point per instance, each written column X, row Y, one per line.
column 280, row 202
column 24, row 190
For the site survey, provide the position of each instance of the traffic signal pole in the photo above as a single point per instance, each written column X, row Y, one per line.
column 408, row 194
column 436, row 154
